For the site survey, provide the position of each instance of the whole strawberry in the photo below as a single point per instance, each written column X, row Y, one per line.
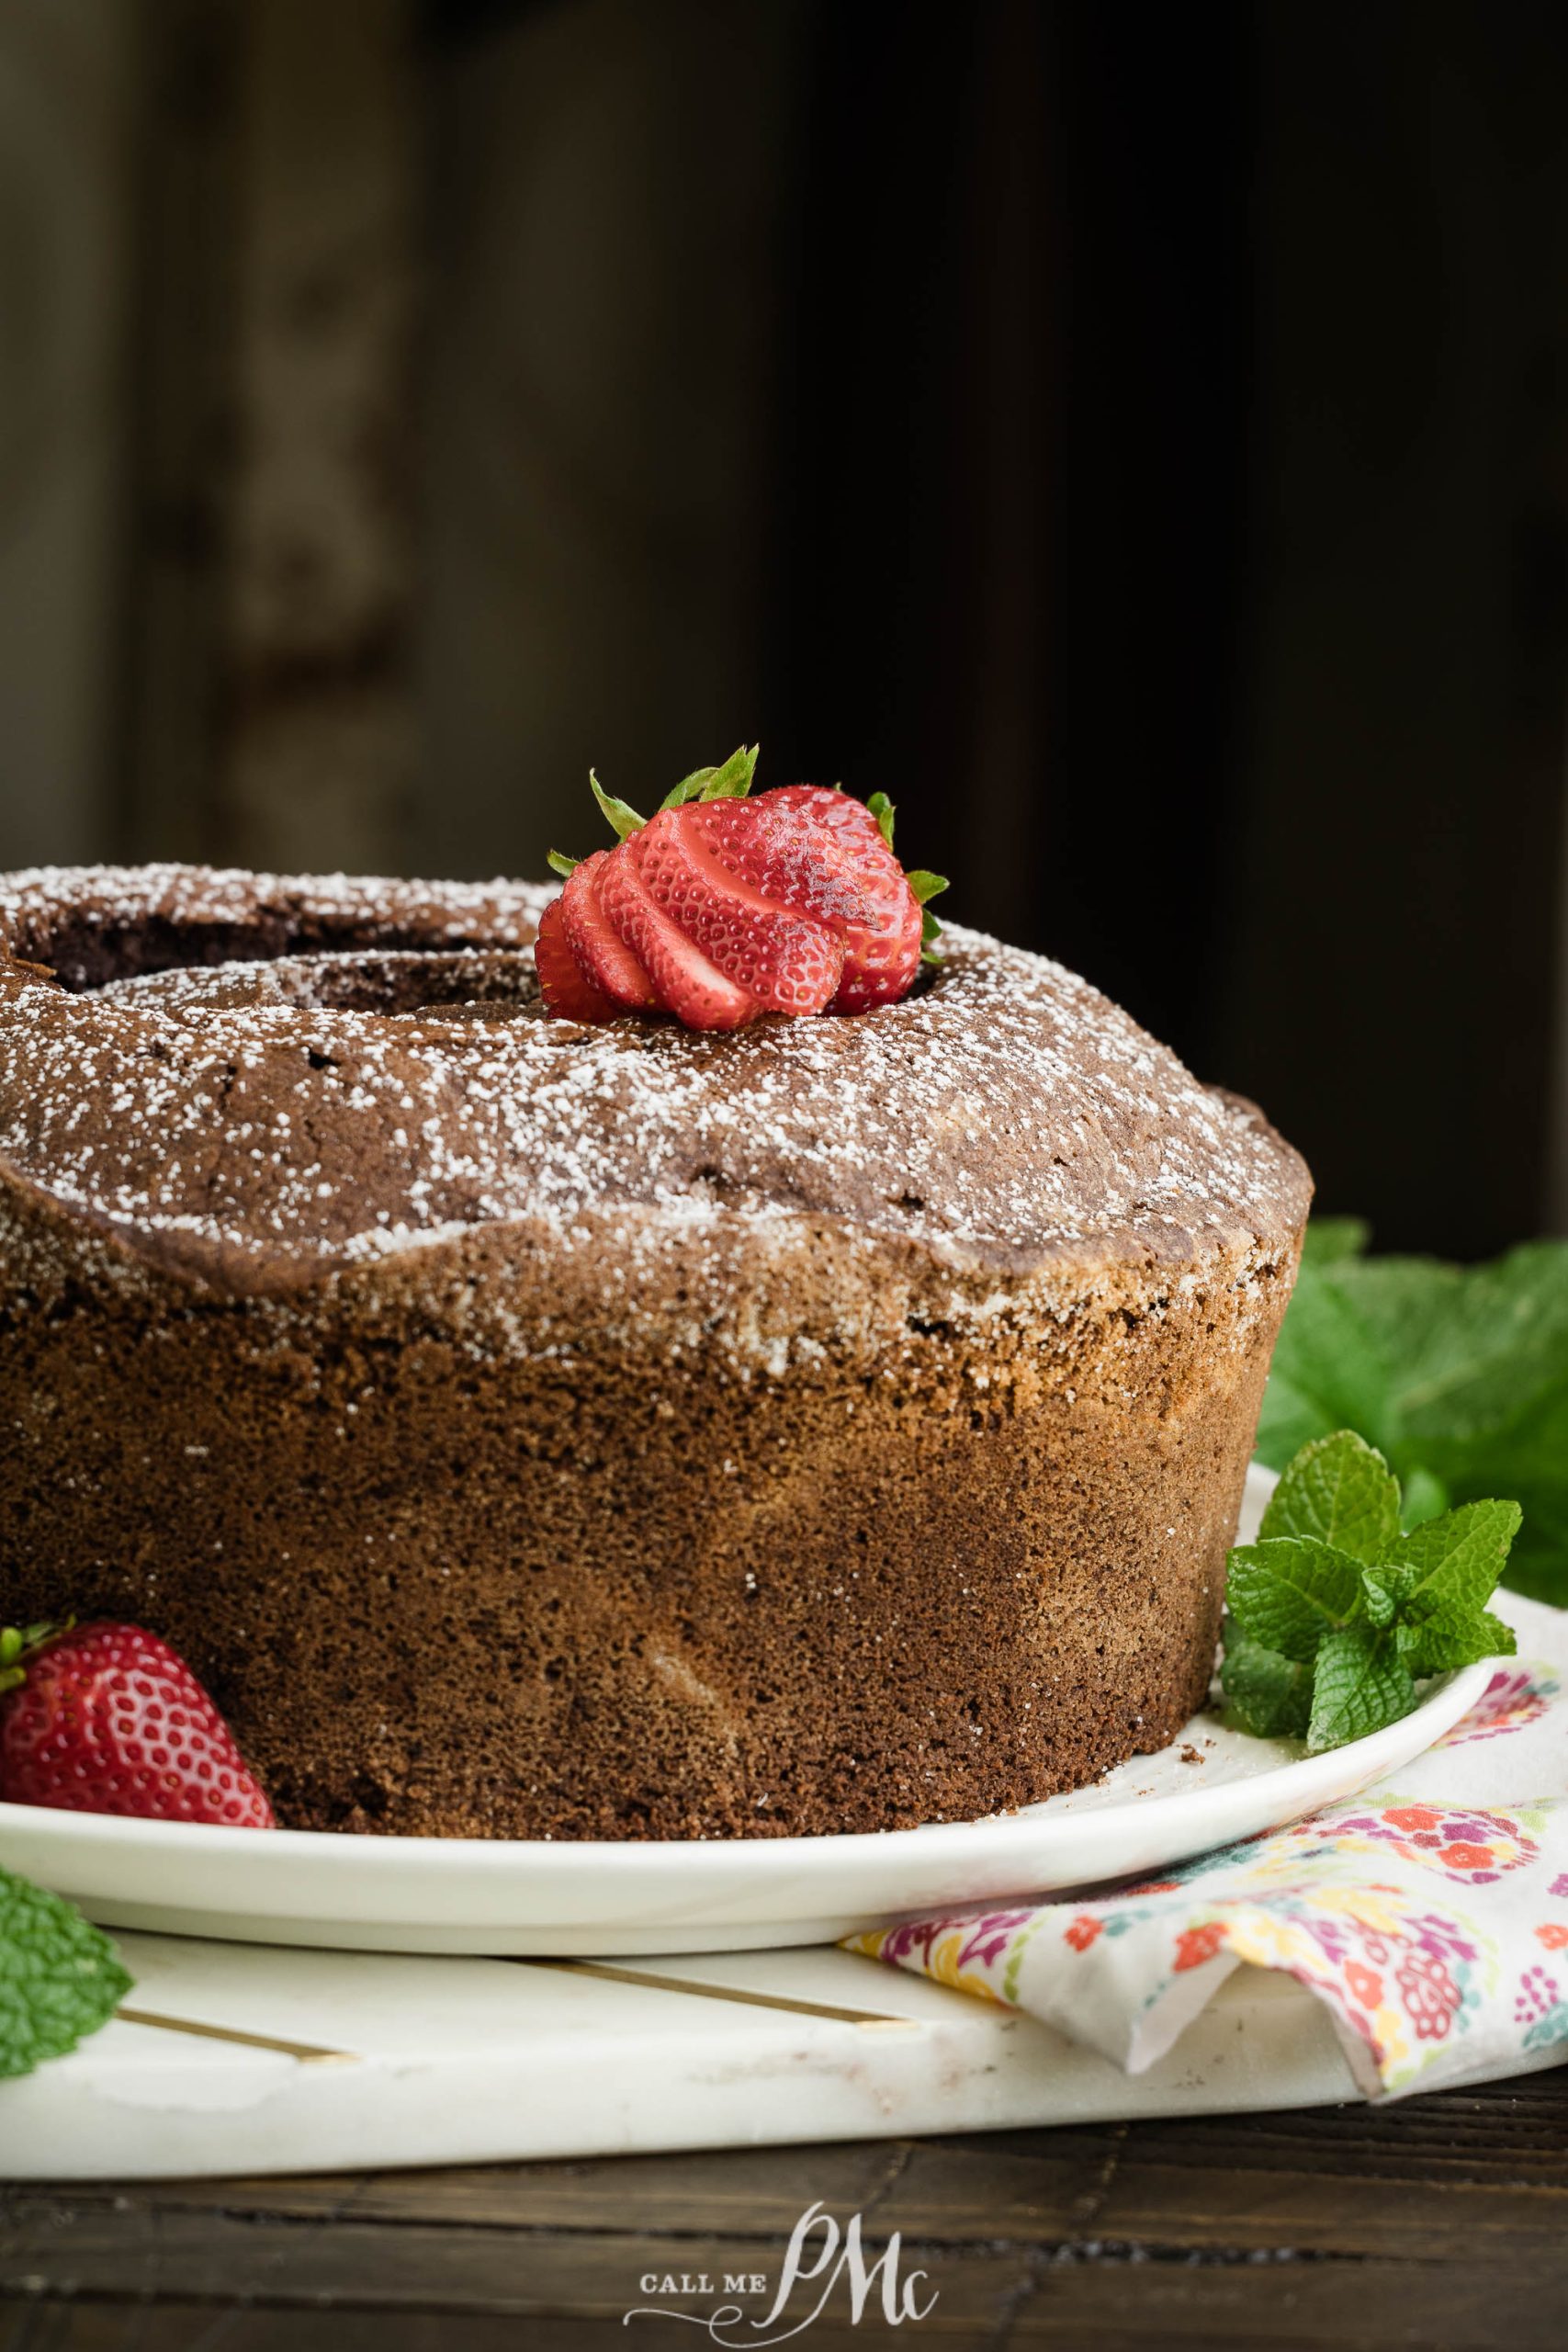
column 107, row 1719
column 723, row 907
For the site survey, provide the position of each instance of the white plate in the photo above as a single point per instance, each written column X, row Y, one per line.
column 446, row 1894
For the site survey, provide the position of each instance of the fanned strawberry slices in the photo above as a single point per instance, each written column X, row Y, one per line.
column 723, row 907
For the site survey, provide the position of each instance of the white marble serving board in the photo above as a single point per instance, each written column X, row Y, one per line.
column 274, row 2060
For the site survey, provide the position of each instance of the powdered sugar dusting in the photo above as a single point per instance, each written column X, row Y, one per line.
column 314, row 1072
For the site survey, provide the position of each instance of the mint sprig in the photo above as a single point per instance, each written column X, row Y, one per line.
column 60, row 1979
column 1458, row 1375
column 1336, row 1614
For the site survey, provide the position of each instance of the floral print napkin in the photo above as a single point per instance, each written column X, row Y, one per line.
column 1430, row 1916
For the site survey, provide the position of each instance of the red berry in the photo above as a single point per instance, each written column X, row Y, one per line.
column 694, row 866
column 687, row 982
column 567, row 990
column 837, row 811
column 603, row 957
column 721, row 910
column 882, row 947
column 109, row 1720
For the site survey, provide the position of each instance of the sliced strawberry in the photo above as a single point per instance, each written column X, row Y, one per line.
column 881, row 923
column 783, row 959
column 726, row 906
column 603, row 957
column 839, row 812
column 567, row 992
column 107, row 1719
column 786, row 861
column 882, row 957
column 688, row 984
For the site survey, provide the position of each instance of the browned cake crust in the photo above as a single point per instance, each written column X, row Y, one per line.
column 532, row 1431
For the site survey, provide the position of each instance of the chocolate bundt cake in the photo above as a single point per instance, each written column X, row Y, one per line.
column 529, row 1430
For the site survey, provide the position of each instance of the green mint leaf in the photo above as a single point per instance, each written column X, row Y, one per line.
column 930, row 932
column 1458, row 1375
column 1267, row 1695
column 926, row 885
column 1455, row 1562
column 624, row 821
column 1443, row 1643
column 883, row 810
column 1332, row 1238
column 1334, row 1611
column 1488, row 1336
column 60, row 1979
column 1330, row 1371
column 1361, row 1684
column 1424, row 1497
column 1292, row 1593
column 1386, row 1589
column 1528, row 1458
column 562, row 865
column 1341, row 1491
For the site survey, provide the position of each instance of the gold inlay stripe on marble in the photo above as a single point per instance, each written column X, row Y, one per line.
column 870, row 2020
column 308, row 2053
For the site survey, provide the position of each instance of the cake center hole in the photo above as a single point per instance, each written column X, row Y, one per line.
column 86, row 953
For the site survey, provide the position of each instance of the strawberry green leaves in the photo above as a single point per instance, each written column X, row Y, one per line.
column 923, row 885
column 882, row 808
column 1334, row 1616
column 15, row 1641
column 730, row 782
column 60, row 1979
column 622, row 820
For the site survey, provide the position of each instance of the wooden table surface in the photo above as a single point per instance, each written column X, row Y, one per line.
column 1442, row 2222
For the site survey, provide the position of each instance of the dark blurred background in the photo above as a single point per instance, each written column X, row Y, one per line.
column 1137, row 438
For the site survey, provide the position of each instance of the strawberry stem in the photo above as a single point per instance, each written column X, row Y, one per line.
column 17, row 1644
column 730, row 782
column 623, row 820
column 882, row 808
